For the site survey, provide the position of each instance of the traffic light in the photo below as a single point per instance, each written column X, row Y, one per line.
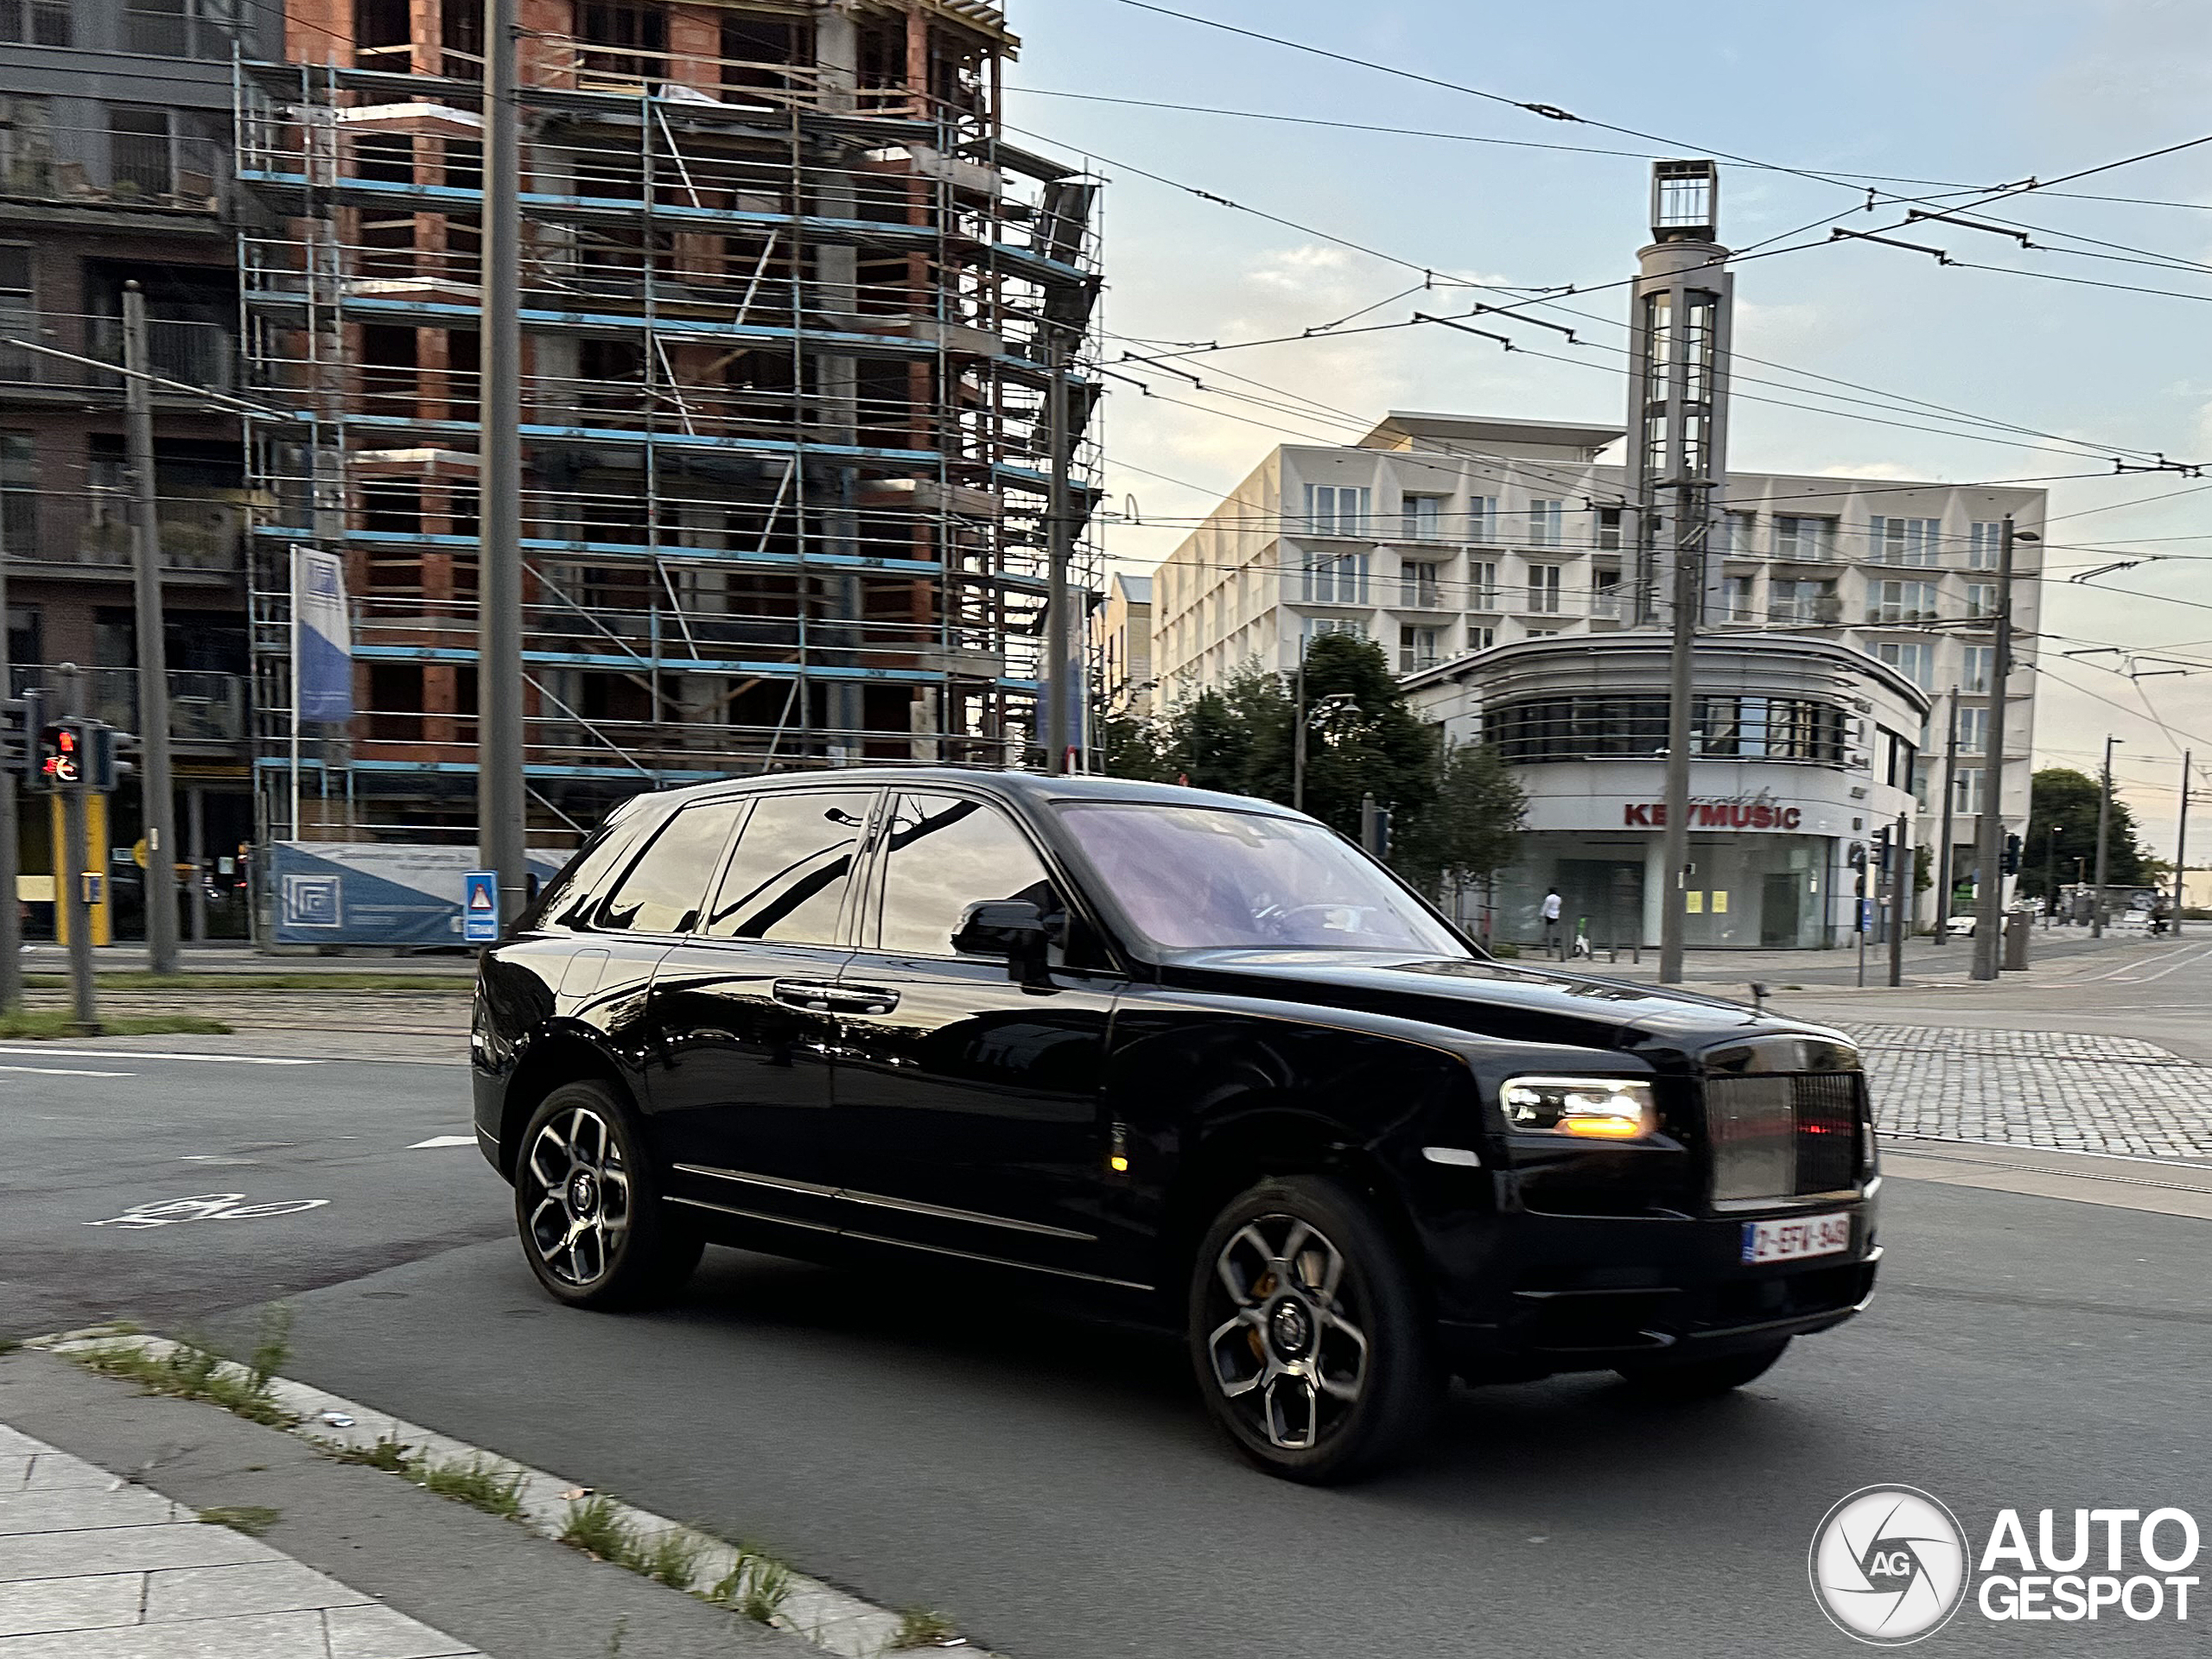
column 100, row 765
column 61, row 755
column 2011, row 864
column 19, row 735
column 1859, row 856
column 1882, row 849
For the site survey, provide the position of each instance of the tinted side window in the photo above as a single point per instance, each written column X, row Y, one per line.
column 570, row 893
column 661, row 892
column 786, row 883
column 945, row 854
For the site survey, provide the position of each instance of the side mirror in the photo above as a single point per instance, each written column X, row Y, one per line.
column 1013, row 928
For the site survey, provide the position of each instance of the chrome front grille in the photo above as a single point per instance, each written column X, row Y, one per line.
column 1784, row 1134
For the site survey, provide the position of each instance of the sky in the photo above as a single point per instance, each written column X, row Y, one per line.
column 1948, row 94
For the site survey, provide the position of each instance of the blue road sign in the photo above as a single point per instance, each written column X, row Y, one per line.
column 479, row 907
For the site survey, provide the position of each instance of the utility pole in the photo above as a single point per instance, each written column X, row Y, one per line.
column 1989, row 892
column 157, row 799
column 70, row 867
column 499, row 800
column 2180, row 847
column 1681, row 686
column 11, row 932
column 1900, row 897
column 1060, row 540
column 2104, row 840
column 1946, row 854
column 1298, row 734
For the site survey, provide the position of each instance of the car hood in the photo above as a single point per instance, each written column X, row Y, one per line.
column 1483, row 997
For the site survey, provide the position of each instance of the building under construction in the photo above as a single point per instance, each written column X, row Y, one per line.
column 790, row 307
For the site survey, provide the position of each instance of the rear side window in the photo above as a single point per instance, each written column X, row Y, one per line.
column 944, row 855
column 569, row 896
column 662, row 892
column 787, row 880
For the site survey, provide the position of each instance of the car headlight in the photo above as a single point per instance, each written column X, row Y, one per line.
column 1591, row 1108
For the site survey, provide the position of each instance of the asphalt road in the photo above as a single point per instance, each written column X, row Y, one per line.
column 1054, row 1485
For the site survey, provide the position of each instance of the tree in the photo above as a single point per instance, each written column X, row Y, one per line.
column 1470, row 828
column 1131, row 745
column 2063, row 798
column 1361, row 738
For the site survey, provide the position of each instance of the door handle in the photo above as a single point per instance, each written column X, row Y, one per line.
column 815, row 995
column 866, row 998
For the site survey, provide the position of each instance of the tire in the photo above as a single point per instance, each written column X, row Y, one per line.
column 588, row 1208
column 1308, row 1332
column 1702, row 1379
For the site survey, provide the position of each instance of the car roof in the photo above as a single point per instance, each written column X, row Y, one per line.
column 1032, row 788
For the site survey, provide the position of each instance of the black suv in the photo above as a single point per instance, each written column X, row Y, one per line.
column 1193, row 1055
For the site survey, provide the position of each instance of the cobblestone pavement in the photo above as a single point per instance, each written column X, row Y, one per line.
column 2068, row 1092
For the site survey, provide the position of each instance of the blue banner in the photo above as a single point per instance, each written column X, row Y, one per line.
column 375, row 892
column 322, row 638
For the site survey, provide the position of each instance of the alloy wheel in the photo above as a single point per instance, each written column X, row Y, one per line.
column 1289, row 1353
column 579, row 1193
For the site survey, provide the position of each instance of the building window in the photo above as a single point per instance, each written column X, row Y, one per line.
column 1481, row 584
column 1423, row 518
column 1482, row 519
column 1595, row 725
column 1796, row 537
column 1966, row 796
column 1313, row 627
column 18, row 497
column 1338, row 580
column 1900, row 601
column 35, row 22
column 1803, row 602
column 636, row 34
column 1609, row 527
column 139, row 152
column 1906, row 541
column 1974, row 669
column 1544, row 522
column 1736, row 600
column 1419, row 648
column 1973, row 731
column 1738, row 533
column 1544, row 587
column 1982, row 599
column 1984, row 539
column 1337, row 508
column 1480, row 637
column 179, row 29
column 1608, row 598
column 1541, row 633
column 1418, row 587
column 1914, row 659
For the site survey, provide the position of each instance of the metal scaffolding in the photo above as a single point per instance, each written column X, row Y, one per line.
column 787, row 327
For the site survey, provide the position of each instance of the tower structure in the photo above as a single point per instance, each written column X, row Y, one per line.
column 787, row 302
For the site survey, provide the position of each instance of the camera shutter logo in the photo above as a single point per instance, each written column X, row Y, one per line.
column 1889, row 1564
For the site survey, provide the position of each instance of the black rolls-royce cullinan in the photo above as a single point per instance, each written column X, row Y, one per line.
column 1195, row 1056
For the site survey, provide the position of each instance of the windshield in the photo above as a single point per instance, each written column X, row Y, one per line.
column 1195, row 877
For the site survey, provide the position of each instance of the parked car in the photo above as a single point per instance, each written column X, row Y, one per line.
column 1173, row 1054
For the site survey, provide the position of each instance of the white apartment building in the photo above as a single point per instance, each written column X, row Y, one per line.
column 1439, row 535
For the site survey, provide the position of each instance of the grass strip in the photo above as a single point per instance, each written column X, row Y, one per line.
column 43, row 1025
column 131, row 980
column 251, row 1519
column 192, row 1371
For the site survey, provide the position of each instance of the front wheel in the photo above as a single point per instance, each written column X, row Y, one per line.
column 1308, row 1333
column 588, row 1205
column 1701, row 1379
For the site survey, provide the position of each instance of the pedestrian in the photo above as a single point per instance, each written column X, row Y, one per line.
column 1551, row 909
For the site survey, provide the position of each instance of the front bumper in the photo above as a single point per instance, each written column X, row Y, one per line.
column 1568, row 1293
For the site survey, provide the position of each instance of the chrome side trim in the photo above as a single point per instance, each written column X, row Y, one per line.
column 944, row 1212
column 754, row 1215
column 995, row 1261
column 881, row 1201
column 811, row 1188
column 1458, row 1155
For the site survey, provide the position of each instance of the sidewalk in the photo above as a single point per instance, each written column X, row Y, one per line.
column 96, row 1566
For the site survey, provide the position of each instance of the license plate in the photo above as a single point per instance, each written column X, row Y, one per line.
column 1795, row 1239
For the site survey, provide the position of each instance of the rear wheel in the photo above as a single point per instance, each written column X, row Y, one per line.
column 1307, row 1331
column 594, row 1228
column 1701, row 1379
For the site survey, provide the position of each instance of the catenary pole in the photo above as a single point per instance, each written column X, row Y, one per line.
column 1900, row 898
column 2180, row 847
column 11, row 934
column 1059, row 542
column 500, row 802
column 157, row 799
column 1681, row 670
column 1989, row 889
column 1946, row 853
column 2104, row 843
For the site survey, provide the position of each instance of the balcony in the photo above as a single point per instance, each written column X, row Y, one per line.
column 198, row 536
column 102, row 166
column 204, row 708
column 196, row 354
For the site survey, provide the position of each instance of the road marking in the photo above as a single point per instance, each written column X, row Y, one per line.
column 444, row 1141
column 207, row 1206
column 152, row 1054
column 61, row 1071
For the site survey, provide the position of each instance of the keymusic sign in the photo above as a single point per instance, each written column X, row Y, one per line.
column 1714, row 815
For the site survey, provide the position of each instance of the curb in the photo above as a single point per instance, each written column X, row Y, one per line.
column 826, row 1617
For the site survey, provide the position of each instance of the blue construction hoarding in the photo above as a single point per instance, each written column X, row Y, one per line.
column 373, row 893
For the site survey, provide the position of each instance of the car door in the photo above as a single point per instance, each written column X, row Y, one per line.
column 968, row 1105
column 744, row 1009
